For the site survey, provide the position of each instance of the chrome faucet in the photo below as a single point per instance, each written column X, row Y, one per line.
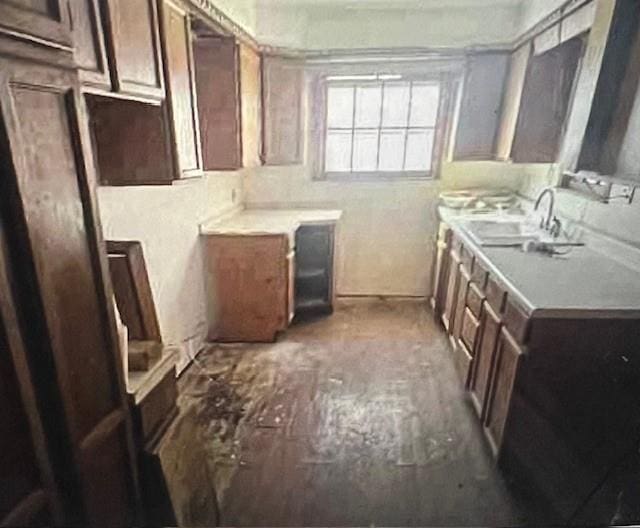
column 549, row 223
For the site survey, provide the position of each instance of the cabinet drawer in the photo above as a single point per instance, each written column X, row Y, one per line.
column 516, row 320
column 495, row 294
column 474, row 299
column 469, row 330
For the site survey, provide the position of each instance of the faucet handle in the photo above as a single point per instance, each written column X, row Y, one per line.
column 556, row 227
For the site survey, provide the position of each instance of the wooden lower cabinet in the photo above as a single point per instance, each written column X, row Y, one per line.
column 248, row 279
column 507, row 361
column 556, row 395
column 463, row 351
column 451, row 295
column 480, row 378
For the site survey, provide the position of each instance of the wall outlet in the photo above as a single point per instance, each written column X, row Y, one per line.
column 234, row 196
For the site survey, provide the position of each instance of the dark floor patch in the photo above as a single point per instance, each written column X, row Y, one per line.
column 356, row 419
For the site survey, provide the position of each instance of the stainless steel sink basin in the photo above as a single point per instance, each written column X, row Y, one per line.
column 501, row 232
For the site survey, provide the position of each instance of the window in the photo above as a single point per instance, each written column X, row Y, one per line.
column 380, row 127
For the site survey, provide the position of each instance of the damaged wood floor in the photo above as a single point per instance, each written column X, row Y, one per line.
column 354, row 419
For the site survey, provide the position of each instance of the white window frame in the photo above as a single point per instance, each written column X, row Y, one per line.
column 359, row 80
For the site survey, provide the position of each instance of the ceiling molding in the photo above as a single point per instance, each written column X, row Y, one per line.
column 220, row 21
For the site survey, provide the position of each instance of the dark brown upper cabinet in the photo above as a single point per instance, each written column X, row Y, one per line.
column 217, row 81
column 181, row 91
column 612, row 138
column 479, row 112
column 251, row 107
column 131, row 142
column 117, row 47
column 546, row 98
column 90, row 51
column 49, row 20
column 283, row 87
column 137, row 67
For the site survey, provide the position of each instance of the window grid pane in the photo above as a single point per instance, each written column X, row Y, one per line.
column 378, row 138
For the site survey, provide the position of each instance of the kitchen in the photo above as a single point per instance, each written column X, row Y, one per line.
column 319, row 262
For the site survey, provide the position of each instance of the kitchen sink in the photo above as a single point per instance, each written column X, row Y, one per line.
column 506, row 232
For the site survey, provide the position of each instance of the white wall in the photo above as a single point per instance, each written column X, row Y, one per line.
column 385, row 236
column 617, row 220
column 165, row 220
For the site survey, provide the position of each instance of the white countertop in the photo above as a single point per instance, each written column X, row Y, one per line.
column 583, row 283
column 255, row 222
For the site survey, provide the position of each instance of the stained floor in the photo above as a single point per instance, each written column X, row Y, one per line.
column 355, row 419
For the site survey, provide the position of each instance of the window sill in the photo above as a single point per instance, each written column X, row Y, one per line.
column 375, row 176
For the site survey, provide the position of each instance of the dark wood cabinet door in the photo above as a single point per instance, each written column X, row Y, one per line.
column 507, row 361
column 282, row 93
column 440, row 270
column 178, row 63
column 452, row 291
column 481, row 104
column 484, row 358
column 546, row 99
column 48, row 188
column 217, row 77
column 238, row 267
column 90, row 51
column 24, row 498
column 460, row 301
column 134, row 48
column 47, row 20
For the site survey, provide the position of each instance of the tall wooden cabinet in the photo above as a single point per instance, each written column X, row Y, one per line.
column 56, row 313
column 181, row 89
